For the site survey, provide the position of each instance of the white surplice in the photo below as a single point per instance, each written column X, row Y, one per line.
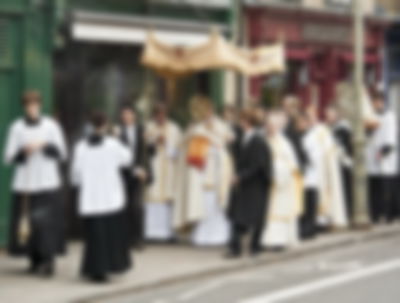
column 203, row 193
column 39, row 173
column 332, row 209
column 96, row 170
column 385, row 135
column 160, row 194
column 286, row 199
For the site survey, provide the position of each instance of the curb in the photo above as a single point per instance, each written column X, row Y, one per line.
column 352, row 238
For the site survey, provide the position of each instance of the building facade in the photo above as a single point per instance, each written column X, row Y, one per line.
column 85, row 54
column 319, row 45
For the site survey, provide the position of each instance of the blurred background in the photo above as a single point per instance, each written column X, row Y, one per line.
column 85, row 54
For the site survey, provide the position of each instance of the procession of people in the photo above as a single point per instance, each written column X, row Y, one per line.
column 281, row 175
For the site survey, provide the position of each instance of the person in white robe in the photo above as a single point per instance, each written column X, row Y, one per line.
column 341, row 129
column 382, row 164
column 96, row 172
column 286, row 197
column 332, row 207
column 164, row 136
column 36, row 146
column 204, row 177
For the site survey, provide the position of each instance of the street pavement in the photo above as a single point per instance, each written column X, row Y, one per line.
column 368, row 272
column 182, row 273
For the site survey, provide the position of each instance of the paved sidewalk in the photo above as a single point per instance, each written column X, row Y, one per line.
column 156, row 266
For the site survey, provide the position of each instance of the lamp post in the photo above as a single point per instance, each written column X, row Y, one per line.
column 361, row 218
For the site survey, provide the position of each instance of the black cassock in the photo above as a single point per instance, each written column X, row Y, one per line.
column 106, row 249
column 46, row 214
column 249, row 198
column 295, row 138
column 134, row 188
column 343, row 137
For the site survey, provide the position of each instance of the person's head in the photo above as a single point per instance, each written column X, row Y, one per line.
column 32, row 103
column 332, row 114
column 303, row 122
column 260, row 114
column 378, row 101
column 276, row 121
column 291, row 105
column 312, row 112
column 201, row 108
column 128, row 114
column 98, row 120
column 230, row 114
column 160, row 113
column 248, row 119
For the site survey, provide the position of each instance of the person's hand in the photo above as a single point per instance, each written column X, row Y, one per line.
column 140, row 173
column 235, row 180
column 161, row 140
column 33, row 147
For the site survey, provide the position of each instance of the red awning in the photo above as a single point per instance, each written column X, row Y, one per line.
column 369, row 58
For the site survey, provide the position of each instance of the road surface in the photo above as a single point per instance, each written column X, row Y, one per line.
column 365, row 273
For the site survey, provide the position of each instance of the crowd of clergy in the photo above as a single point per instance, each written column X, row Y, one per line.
column 278, row 176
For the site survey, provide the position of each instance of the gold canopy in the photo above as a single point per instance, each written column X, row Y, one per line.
column 216, row 53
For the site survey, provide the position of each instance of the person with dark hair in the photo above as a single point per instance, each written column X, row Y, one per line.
column 250, row 187
column 36, row 146
column 96, row 172
column 138, row 175
column 382, row 162
column 164, row 137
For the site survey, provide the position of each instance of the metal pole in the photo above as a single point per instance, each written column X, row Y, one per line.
column 361, row 218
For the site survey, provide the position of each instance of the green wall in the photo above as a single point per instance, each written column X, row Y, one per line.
column 25, row 63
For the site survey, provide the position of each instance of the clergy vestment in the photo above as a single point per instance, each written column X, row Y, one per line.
column 249, row 198
column 332, row 208
column 294, row 137
column 133, row 136
column 96, row 171
column 36, row 186
column 165, row 140
column 204, row 182
column 286, row 199
column 382, row 162
column 343, row 136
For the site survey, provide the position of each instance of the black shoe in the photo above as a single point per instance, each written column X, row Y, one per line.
column 46, row 270
column 256, row 252
column 33, row 268
column 99, row 278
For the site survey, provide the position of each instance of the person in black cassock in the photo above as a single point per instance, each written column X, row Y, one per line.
column 382, row 163
column 36, row 146
column 342, row 133
column 96, row 172
column 138, row 174
column 251, row 185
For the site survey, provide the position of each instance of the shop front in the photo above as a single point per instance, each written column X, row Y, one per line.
column 319, row 50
